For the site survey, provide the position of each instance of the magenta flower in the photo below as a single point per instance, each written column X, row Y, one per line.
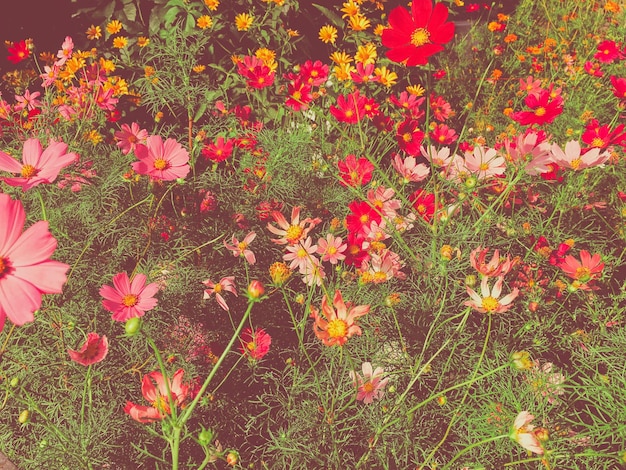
column 255, row 344
column 129, row 137
column 129, row 299
column 220, row 150
column 94, row 349
column 26, row 270
column 158, row 397
column 165, row 161
column 371, row 385
column 226, row 284
column 240, row 248
column 38, row 165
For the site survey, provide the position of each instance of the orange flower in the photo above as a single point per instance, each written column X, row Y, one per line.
column 335, row 325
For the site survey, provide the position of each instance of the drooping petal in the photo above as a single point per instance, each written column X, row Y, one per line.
column 12, row 218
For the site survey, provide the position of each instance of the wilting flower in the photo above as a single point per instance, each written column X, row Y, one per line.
column 371, row 385
column 158, row 397
column 226, row 284
column 521, row 432
column 584, row 271
column 94, row 349
column 494, row 268
column 38, row 165
column 240, row 248
column 165, row 161
column 488, row 301
column 413, row 37
column 255, row 344
column 335, row 325
column 26, row 270
column 129, row 299
column 129, row 137
column 291, row 233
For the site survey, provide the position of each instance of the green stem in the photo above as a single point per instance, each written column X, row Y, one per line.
column 43, row 206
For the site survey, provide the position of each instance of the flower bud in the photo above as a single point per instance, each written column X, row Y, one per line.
column 470, row 280
column 24, row 417
column 132, row 327
column 205, row 437
column 256, row 290
column 521, row 360
column 442, row 400
column 446, row 252
column 232, row 458
column 541, row 434
column 15, row 381
column 279, row 272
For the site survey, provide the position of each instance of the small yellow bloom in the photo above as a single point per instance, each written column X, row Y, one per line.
column 502, row 17
column 94, row 32
column 120, row 42
column 265, row 54
column 158, row 116
column 107, row 65
column 204, row 22
column 342, row 72
column 340, row 58
column 493, row 26
column 212, row 4
column 350, row 9
column 328, row 34
column 507, row 111
column 114, row 27
column 378, row 30
column 148, row 71
column 293, row 33
column 417, row 90
column 143, row 41
column 612, row 7
column 366, row 54
column 93, row 136
column 243, row 21
column 385, row 76
column 199, row 68
column 510, row 38
column 358, row 23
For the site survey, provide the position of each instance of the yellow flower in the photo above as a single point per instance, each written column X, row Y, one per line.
column 93, row 136
column 148, row 71
column 117, row 84
column 342, row 71
column 417, row 90
column 265, row 55
column 94, row 32
column 366, row 54
column 293, row 33
column 212, row 4
column 510, row 38
column 120, row 42
column 328, row 34
column 143, row 41
column 243, row 21
column 114, row 27
column 378, row 30
column 350, row 8
column 107, row 65
column 612, row 7
column 340, row 58
column 358, row 23
column 493, row 26
column 204, row 22
column 271, row 64
column 386, row 77
column 199, row 68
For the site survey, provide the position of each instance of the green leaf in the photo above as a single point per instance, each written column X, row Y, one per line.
column 331, row 15
column 130, row 10
column 190, row 23
column 200, row 112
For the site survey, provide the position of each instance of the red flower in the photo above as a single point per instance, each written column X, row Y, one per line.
column 544, row 109
column 218, row 151
column 93, row 350
column 18, row 52
column 255, row 344
column 443, row 135
column 314, row 73
column 409, row 137
column 350, row 108
column 424, row 203
column 355, row 172
column 607, row 52
column 619, row 87
column 596, row 136
column 413, row 37
column 362, row 216
column 299, row 95
column 257, row 74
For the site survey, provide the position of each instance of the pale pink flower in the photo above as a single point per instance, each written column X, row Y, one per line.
column 409, row 170
column 483, row 163
column 94, row 350
column 530, row 151
column 38, row 166
column 128, row 299
column 28, row 101
column 65, row 52
column 521, row 432
column 494, row 268
column 165, row 161
column 158, row 396
column 381, row 199
column 382, row 267
column 240, row 248
column 331, row 248
column 291, row 233
column 545, row 382
column 572, row 158
column 336, row 322
column 489, row 301
column 439, row 158
column 50, row 75
column 26, row 270
column 313, row 273
column 374, row 232
column 226, row 284
column 370, row 386
column 301, row 255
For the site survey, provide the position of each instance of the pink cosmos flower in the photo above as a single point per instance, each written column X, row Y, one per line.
column 409, row 170
column 530, row 86
column 572, row 158
column 161, row 161
column 65, row 52
column 255, row 344
column 313, row 273
column 371, row 385
column 619, row 87
column 494, row 268
column 240, row 248
column 26, row 270
column 331, row 248
column 291, row 233
column 129, row 299
column 94, row 349
column 381, row 199
column 38, row 166
column 301, row 255
column 531, row 150
column 336, row 323
column 521, row 432
column 382, row 267
column 129, row 137
column 608, row 51
column 484, row 162
column 158, row 397
column 583, row 271
column 226, row 284
column 27, row 101
column 488, row 301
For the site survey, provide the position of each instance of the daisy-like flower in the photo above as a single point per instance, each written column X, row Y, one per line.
column 409, row 136
column 409, row 170
column 38, row 166
column 355, row 172
column 301, row 255
column 27, row 101
column 619, row 87
column 243, row 21
column 26, row 270
column 489, row 302
column 291, row 233
column 143, row 41
column 94, row 32
column 521, row 432
column 204, row 22
column 544, row 109
column 212, row 4
column 160, row 160
column 584, row 271
column 494, row 268
column 128, row 299
column 572, row 158
column 120, row 42
column 331, row 248
column 255, row 344
column 530, row 150
column 93, row 350
column 413, row 37
column 129, row 137
column 158, row 396
column 328, row 34
column 530, row 86
column 333, row 326
column 226, row 284
column 483, row 163
column 350, row 108
column 424, row 203
column 220, row 150
column 114, row 27
column 240, row 248
column 370, row 386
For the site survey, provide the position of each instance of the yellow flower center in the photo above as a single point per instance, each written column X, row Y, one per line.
column 349, row 113
column 332, row 250
column 420, row 37
column 582, row 274
column 337, row 328
column 301, row 253
column 421, row 208
column 28, row 171
column 161, row 404
column 406, row 137
column 484, row 166
column 3, row 267
column 364, row 218
column 296, row 95
column 380, row 276
column 160, row 164
column 540, row 111
column 576, row 163
column 242, row 246
column 130, row 300
column 294, row 233
column 368, row 387
column 597, row 142
column 251, row 346
column 218, row 288
column 490, row 304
